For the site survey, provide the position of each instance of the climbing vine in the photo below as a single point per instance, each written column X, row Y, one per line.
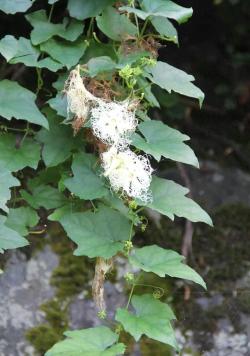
column 87, row 155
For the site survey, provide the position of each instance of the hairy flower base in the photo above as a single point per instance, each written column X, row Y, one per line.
column 128, row 172
column 78, row 97
column 113, row 122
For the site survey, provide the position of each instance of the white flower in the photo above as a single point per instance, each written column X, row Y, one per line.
column 113, row 122
column 128, row 172
column 78, row 97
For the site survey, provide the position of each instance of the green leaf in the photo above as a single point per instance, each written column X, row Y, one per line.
column 115, row 26
column 167, row 8
column 65, row 52
column 96, row 49
column 163, row 8
column 164, row 262
column 100, row 64
column 59, row 104
column 43, row 30
column 131, row 58
column 18, row 102
column 58, row 142
column 60, row 82
column 9, row 238
column 14, row 6
column 86, row 183
column 21, row 219
column 98, row 341
column 169, row 199
column 73, row 30
column 145, row 87
column 22, row 51
column 162, row 140
column 165, row 28
column 82, row 10
column 171, row 78
column 14, row 157
column 97, row 234
column 151, row 318
column 6, row 182
column 44, row 196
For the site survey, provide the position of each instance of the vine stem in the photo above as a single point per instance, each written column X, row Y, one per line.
column 136, row 19
column 130, row 295
column 91, row 23
column 51, row 12
column 26, row 133
column 144, row 27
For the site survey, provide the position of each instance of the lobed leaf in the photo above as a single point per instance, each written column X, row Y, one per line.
column 14, row 6
column 161, row 140
column 99, row 234
column 164, row 262
column 65, row 52
column 6, row 182
column 98, row 341
column 9, row 239
column 21, row 51
column 86, row 183
column 82, row 10
column 161, row 8
column 21, row 219
column 115, row 26
column 169, row 199
column 58, row 142
column 19, row 103
column 174, row 79
column 15, row 156
column 151, row 317
column 43, row 29
column 44, row 196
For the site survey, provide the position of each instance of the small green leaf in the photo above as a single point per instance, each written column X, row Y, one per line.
column 86, row 183
column 59, row 104
column 19, row 103
column 98, row 341
column 43, row 30
column 22, row 51
column 131, row 58
column 14, row 6
column 58, row 142
column 169, row 199
column 6, row 182
column 164, row 262
column 162, row 140
column 165, row 28
column 82, row 10
column 21, row 219
column 9, row 238
column 115, row 26
column 151, row 318
column 44, row 196
column 145, row 87
column 97, row 234
column 65, row 52
column 14, row 156
column 171, row 78
column 100, row 64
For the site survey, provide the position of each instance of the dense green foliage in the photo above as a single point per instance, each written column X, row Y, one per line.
column 53, row 166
